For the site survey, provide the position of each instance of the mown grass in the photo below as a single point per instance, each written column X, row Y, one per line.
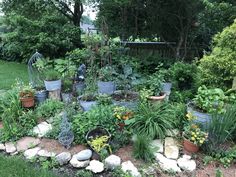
column 10, row 71
column 17, row 167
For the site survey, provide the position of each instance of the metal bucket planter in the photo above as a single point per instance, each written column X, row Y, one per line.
column 41, row 96
column 52, row 85
column 86, row 104
column 201, row 117
column 166, row 88
column 106, row 87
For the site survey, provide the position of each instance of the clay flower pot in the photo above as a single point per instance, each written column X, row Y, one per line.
column 27, row 102
column 190, row 147
column 157, row 98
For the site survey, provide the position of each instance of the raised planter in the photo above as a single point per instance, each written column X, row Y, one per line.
column 201, row 117
column 52, row 85
column 41, row 96
column 130, row 100
column 87, row 104
column 106, row 87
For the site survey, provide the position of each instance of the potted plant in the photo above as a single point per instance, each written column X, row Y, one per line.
column 52, row 80
column 98, row 139
column 122, row 114
column 88, row 99
column 67, row 88
column 27, row 96
column 194, row 137
column 106, row 76
column 127, row 79
column 154, row 84
column 166, row 85
column 206, row 102
column 40, row 94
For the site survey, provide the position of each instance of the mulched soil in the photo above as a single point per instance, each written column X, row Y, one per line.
column 122, row 96
column 54, row 146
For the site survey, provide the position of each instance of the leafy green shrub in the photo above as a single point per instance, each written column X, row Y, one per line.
column 120, row 139
column 103, row 99
column 210, row 100
column 219, row 67
column 184, row 75
column 16, row 121
column 143, row 149
column 153, row 120
column 100, row 115
column 49, row 33
column 49, row 108
column 221, row 128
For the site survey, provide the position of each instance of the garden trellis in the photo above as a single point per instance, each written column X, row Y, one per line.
column 33, row 72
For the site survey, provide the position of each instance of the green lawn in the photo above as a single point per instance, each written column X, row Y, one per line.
column 17, row 167
column 10, row 71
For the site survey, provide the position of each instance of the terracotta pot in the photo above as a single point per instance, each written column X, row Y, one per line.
column 190, row 147
column 157, row 99
column 27, row 102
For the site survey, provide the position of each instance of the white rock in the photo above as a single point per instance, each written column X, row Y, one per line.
column 63, row 158
column 167, row 164
column 78, row 164
column 186, row 164
column 84, row 155
column 171, row 148
column 45, row 153
column 31, row 153
column 157, row 145
column 128, row 166
column 112, row 162
column 188, row 157
column 2, row 147
column 42, row 129
column 10, row 147
column 95, row 166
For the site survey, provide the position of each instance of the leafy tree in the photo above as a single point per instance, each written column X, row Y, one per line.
column 219, row 67
column 171, row 20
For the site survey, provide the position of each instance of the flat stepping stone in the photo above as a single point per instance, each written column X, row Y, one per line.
column 167, row 164
column 10, row 147
column 42, row 129
column 26, row 143
column 171, row 148
column 31, row 153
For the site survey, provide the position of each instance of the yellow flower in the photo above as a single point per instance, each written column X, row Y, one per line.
column 193, row 138
column 201, row 141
